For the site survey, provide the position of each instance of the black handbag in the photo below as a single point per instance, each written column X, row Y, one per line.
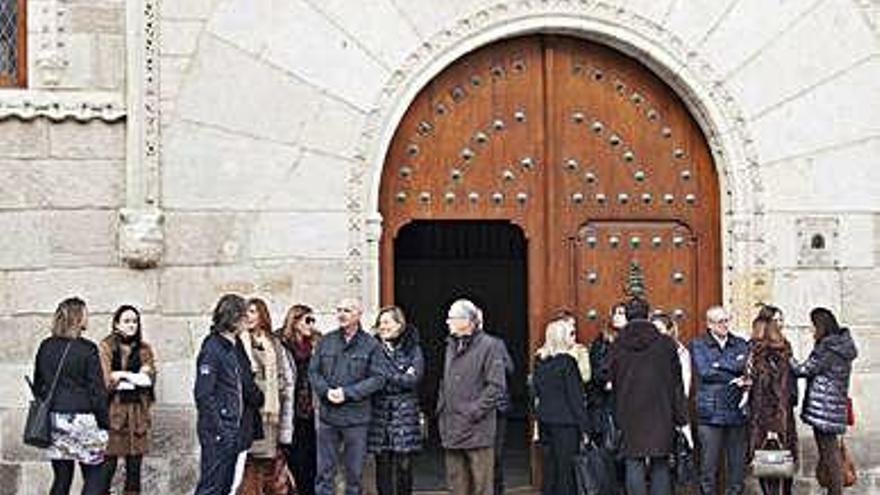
column 684, row 468
column 595, row 471
column 38, row 427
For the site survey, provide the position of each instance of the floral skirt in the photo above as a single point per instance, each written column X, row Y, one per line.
column 77, row 437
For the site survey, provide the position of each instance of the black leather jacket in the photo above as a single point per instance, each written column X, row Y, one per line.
column 827, row 371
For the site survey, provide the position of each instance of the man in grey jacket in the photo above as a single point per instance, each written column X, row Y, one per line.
column 473, row 384
column 345, row 371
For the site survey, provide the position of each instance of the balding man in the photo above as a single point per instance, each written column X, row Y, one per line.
column 345, row 371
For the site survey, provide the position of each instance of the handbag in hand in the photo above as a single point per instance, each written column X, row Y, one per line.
column 683, row 463
column 772, row 461
column 38, row 426
column 847, row 465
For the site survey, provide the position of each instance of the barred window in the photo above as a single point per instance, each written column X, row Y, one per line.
column 13, row 33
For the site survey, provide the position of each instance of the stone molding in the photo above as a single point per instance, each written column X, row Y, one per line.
column 55, row 105
column 141, row 237
column 691, row 75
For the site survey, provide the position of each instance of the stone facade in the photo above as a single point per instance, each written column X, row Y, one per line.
column 245, row 153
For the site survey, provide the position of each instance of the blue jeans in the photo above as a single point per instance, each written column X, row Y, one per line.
column 353, row 440
column 658, row 471
column 730, row 439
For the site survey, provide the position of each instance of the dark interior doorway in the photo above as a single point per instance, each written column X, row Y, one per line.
column 437, row 262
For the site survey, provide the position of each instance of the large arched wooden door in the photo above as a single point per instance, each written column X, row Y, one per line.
column 595, row 158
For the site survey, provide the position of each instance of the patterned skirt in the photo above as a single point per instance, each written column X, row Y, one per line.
column 77, row 437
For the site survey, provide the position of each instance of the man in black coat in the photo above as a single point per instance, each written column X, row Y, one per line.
column 649, row 400
column 345, row 371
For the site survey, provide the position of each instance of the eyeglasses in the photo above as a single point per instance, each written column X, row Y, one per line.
column 310, row 320
column 344, row 310
column 721, row 320
column 456, row 317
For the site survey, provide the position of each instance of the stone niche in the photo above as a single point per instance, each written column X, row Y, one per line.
column 818, row 241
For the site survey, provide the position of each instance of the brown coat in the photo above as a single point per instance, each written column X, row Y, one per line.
column 130, row 423
column 773, row 395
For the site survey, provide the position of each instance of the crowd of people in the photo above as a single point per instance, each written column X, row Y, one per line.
column 284, row 410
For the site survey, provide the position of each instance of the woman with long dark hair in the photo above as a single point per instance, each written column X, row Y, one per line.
column 827, row 371
column 129, row 369
column 274, row 376
column 78, row 407
column 394, row 434
column 300, row 337
column 773, row 393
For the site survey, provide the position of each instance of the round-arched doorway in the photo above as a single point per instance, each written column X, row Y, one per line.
column 594, row 159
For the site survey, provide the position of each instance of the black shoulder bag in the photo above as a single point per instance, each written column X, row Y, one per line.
column 38, row 427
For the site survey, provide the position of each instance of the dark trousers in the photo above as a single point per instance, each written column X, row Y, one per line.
column 714, row 440
column 830, row 459
column 559, row 446
column 132, row 473
column 500, row 436
column 302, row 456
column 353, row 440
column 776, row 487
column 217, row 467
column 643, row 470
column 394, row 473
column 63, row 471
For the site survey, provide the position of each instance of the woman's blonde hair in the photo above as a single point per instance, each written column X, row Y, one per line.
column 557, row 338
column 70, row 318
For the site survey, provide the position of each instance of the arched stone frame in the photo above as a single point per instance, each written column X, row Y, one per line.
column 690, row 76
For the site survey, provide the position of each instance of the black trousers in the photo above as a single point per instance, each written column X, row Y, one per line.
column 829, row 457
column 776, row 487
column 559, row 445
column 217, row 467
column 302, row 456
column 63, row 471
column 132, row 472
column 500, row 436
column 394, row 473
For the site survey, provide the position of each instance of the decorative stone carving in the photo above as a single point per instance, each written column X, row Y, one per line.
column 141, row 239
column 818, row 244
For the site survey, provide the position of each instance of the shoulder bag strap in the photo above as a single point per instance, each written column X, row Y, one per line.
column 58, row 373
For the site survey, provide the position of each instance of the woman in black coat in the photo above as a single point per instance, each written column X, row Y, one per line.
column 827, row 371
column 562, row 418
column 395, row 432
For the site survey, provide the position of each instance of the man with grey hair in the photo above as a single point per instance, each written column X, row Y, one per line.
column 473, row 385
column 719, row 366
column 345, row 371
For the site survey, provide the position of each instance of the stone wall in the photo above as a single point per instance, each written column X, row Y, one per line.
column 273, row 121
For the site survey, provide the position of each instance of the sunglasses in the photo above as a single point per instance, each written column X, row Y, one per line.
column 309, row 320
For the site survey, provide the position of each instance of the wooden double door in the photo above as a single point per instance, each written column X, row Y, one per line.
column 584, row 149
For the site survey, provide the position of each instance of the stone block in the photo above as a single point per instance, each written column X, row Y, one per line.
column 431, row 18
column 175, row 338
column 184, row 473
column 88, row 18
column 94, row 140
column 289, row 235
column 827, row 116
column 12, row 426
column 334, row 128
column 110, row 62
column 242, row 23
column 83, row 238
column 189, row 9
column 692, row 20
column 175, row 381
column 10, row 478
column 863, row 389
column 180, row 37
column 317, row 183
column 174, row 429
column 14, row 391
column 323, row 55
column 102, row 288
column 206, row 238
column 867, row 339
column 856, row 239
column 859, row 296
column 268, row 102
column 79, row 57
column 797, row 292
column 823, row 177
column 29, row 246
column 174, row 70
column 24, row 139
column 61, row 183
column 376, row 24
column 22, row 336
column 204, row 169
column 36, row 479
column 807, row 53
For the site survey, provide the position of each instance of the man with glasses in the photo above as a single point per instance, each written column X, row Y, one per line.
column 473, row 385
column 345, row 371
column 719, row 365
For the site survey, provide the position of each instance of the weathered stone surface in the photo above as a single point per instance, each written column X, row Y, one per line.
column 29, row 246
column 110, row 62
column 692, row 21
column 834, row 180
column 204, row 169
column 431, row 18
column 816, row 34
column 268, row 102
column 867, row 339
column 13, row 450
column 174, row 384
column 10, row 478
column 317, row 183
column 316, row 235
column 20, row 139
column 174, row 429
column 175, row 338
column 91, row 141
column 799, row 291
column 61, row 183
column 36, row 479
column 83, row 238
column 85, row 18
column 22, row 336
column 102, row 288
column 859, row 293
column 180, row 37
column 78, row 71
column 14, row 391
column 174, row 70
column 207, row 238
column 189, row 9
column 334, row 128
